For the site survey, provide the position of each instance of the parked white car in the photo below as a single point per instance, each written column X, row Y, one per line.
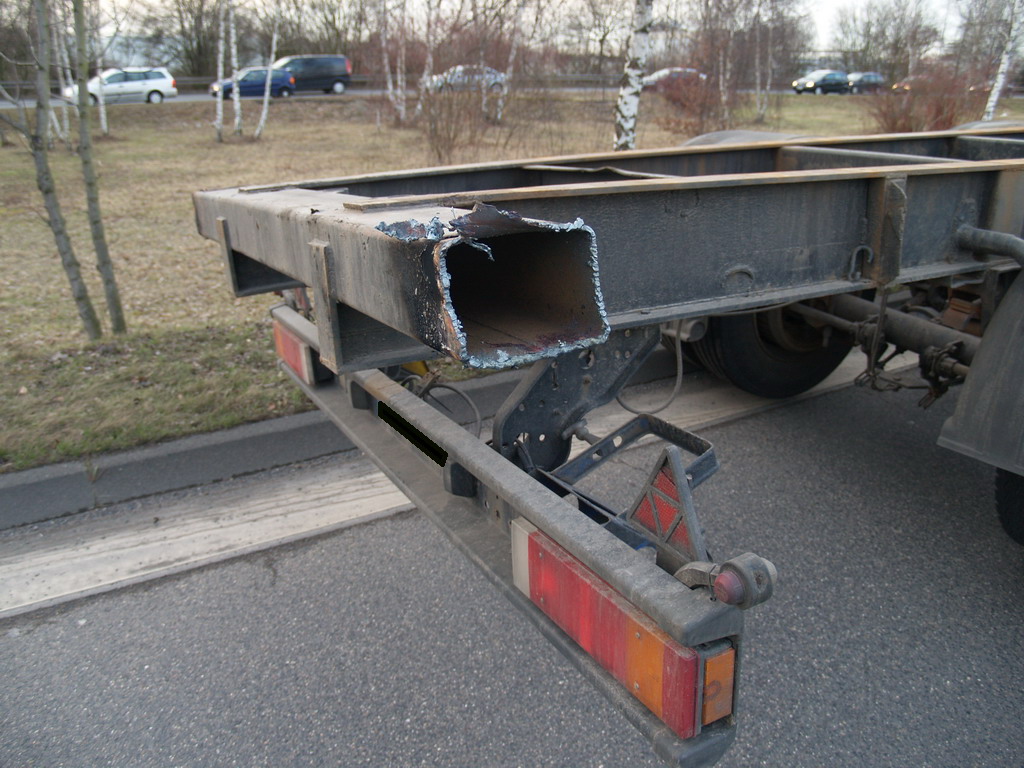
column 150, row 84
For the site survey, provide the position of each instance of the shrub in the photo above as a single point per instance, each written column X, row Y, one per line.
column 695, row 106
column 934, row 99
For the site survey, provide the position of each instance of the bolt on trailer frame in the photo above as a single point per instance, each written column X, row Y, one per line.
column 571, row 264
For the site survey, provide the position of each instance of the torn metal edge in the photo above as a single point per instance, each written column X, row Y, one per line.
column 485, row 221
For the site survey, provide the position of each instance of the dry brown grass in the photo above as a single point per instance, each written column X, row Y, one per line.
column 196, row 358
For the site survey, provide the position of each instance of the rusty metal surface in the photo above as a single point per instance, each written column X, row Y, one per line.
column 679, row 233
column 491, row 289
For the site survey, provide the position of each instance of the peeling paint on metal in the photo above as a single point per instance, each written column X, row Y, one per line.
column 412, row 230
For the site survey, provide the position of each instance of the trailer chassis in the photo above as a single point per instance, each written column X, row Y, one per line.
column 505, row 264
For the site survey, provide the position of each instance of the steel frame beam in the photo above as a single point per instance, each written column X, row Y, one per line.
column 679, row 233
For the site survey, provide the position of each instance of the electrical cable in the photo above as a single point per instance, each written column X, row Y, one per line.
column 679, row 378
column 415, row 383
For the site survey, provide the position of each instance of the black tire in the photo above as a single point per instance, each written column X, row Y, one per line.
column 819, row 91
column 93, row 99
column 1010, row 503
column 154, row 97
column 285, row 93
column 770, row 354
column 337, row 87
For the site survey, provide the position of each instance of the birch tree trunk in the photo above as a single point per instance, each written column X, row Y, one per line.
column 1012, row 38
column 218, row 120
column 266, row 86
column 433, row 8
column 398, row 96
column 513, row 51
column 760, row 93
column 101, row 102
column 64, row 76
column 38, row 141
column 394, row 84
column 769, row 62
column 628, row 106
column 92, row 188
column 236, row 96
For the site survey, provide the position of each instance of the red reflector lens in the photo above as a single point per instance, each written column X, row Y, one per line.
column 295, row 353
column 656, row 669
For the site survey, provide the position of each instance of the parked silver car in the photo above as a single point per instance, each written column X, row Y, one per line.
column 464, row 77
column 149, row 84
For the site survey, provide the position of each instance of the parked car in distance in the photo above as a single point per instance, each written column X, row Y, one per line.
column 327, row 72
column 822, row 81
column 866, row 82
column 149, row 84
column 664, row 78
column 908, row 84
column 252, row 81
column 465, row 77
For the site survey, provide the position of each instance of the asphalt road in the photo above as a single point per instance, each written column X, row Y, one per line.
column 894, row 638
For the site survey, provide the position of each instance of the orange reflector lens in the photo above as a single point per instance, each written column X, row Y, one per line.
column 295, row 353
column 719, row 678
column 656, row 669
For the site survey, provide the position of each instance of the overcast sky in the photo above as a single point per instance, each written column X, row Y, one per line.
column 824, row 12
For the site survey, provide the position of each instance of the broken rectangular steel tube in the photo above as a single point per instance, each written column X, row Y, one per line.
column 488, row 288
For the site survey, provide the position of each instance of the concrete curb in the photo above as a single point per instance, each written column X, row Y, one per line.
column 53, row 491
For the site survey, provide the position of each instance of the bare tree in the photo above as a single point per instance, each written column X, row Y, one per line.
column 266, row 85
column 394, row 79
column 236, row 97
column 981, row 36
column 1011, row 39
column 599, row 28
column 773, row 38
column 628, row 106
column 187, row 30
column 62, row 117
column 100, row 53
column 218, row 119
column 38, row 138
column 92, row 188
column 888, row 36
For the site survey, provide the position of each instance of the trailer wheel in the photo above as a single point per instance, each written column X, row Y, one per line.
column 772, row 353
column 1010, row 503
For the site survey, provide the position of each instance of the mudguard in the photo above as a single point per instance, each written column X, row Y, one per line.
column 988, row 423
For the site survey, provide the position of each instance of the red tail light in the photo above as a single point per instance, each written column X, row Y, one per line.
column 296, row 354
column 174, row 83
column 684, row 687
column 291, row 79
column 348, row 66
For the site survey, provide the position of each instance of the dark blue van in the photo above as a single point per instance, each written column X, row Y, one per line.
column 327, row 72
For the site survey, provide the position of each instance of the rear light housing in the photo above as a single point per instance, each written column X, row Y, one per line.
column 294, row 352
column 686, row 688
